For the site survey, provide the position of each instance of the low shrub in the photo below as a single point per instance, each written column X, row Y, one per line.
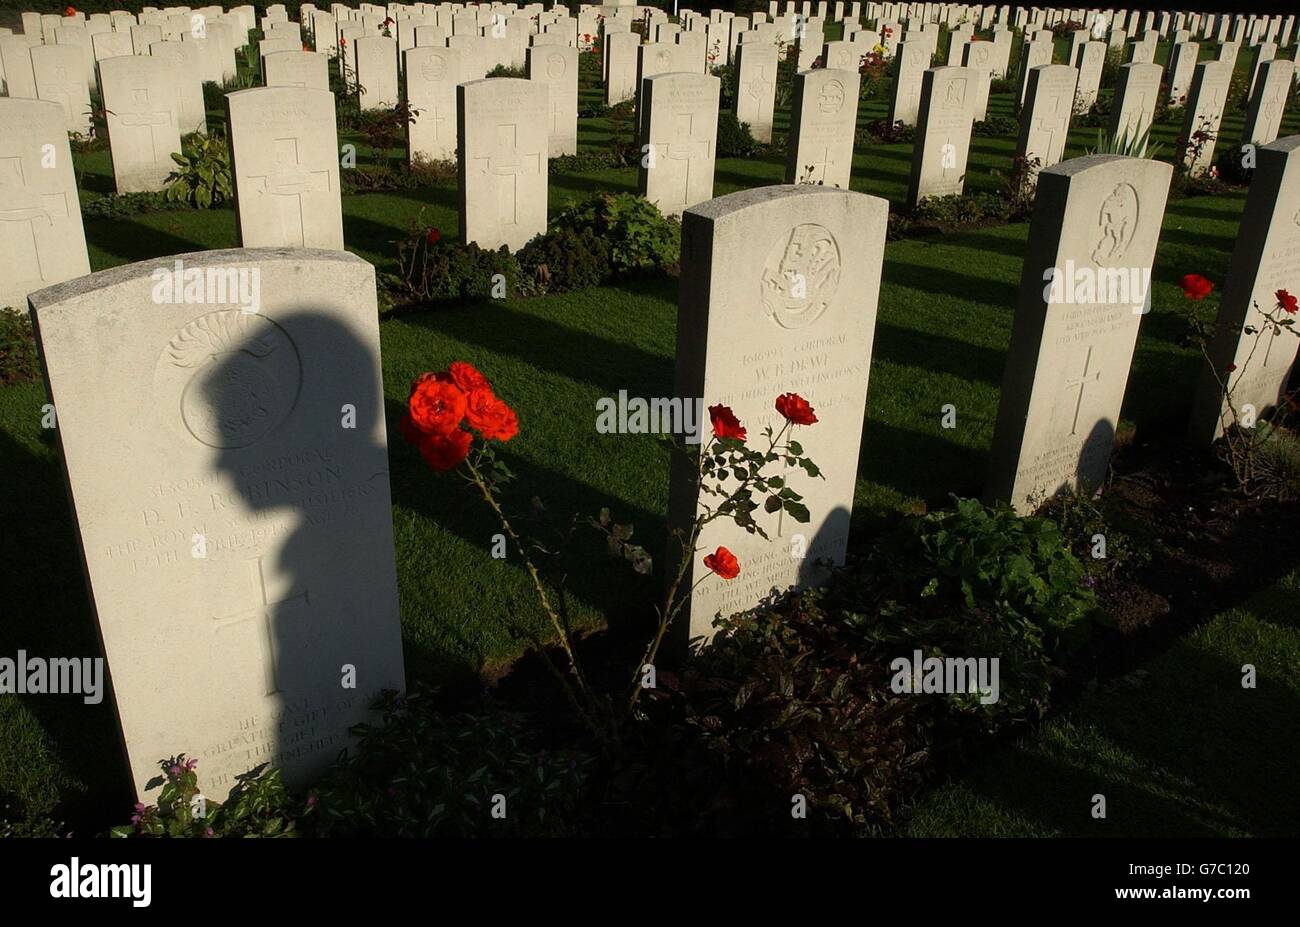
column 995, row 126
column 425, row 773
column 433, row 268
column 117, row 205
column 505, row 70
column 947, row 212
column 418, row 773
column 640, row 237
column 19, row 362
column 882, row 131
column 734, row 137
column 565, row 259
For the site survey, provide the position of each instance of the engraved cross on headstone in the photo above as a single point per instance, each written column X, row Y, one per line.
column 140, row 118
column 685, row 147
column 290, row 181
column 20, row 204
column 1082, row 382
column 509, row 164
column 266, row 611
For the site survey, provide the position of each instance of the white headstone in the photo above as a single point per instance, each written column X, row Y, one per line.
column 1045, row 120
column 1133, row 105
column 785, row 287
column 223, row 512
column 942, row 142
column 679, row 134
column 188, row 88
column 431, row 74
column 60, row 78
column 285, row 164
column 41, row 237
column 501, row 123
column 1255, row 365
column 141, row 111
column 1083, row 291
column 823, row 120
column 557, row 67
column 756, row 68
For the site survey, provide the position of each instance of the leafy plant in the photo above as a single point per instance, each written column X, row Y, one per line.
column 566, row 259
column 1019, row 571
column 256, row 807
column 425, row 773
column 18, row 358
column 1130, row 145
column 202, row 175
column 994, row 126
column 640, row 237
column 433, row 268
column 734, row 137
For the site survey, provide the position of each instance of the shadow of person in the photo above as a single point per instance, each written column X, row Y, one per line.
column 300, row 540
column 1093, row 462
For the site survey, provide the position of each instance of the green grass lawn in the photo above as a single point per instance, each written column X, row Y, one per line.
column 942, row 332
column 1179, row 749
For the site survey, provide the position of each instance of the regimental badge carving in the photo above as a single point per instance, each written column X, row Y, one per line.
column 555, row 66
column 434, row 68
column 1118, row 222
column 832, row 97
column 955, row 97
column 240, row 377
column 801, row 275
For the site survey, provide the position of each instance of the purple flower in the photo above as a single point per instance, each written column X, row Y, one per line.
column 311, row 801
column 174, row 771
column 191, row 763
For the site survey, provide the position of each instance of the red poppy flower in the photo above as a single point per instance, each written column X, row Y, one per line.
column 795, row 409
column 723, row 562
column 725, row 423
column 1196, row 287
column 1286, row 302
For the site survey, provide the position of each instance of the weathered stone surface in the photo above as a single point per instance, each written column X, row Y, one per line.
column 1266, row 258
column 823, row 119
column 786, row 283
column 41, row 237
column 942, row 142
column 224, row 510
column 284, row 160
column 143, row 119
column 502, row 123
column 680, row 128
column 1083, row 291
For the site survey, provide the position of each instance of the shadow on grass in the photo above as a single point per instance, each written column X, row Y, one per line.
column 132, row 241
column 1187, row 753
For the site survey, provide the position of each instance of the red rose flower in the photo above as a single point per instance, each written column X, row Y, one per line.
column 724, row 563
column 433, row 236
column 467, row 377
column 1196, row 287
column 436, row 406
column 443, row 452
column 725, row 423
column 490, row 416
column 1230, row 368
column 795, row 409
column 70, row 11
column 1286, row 302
